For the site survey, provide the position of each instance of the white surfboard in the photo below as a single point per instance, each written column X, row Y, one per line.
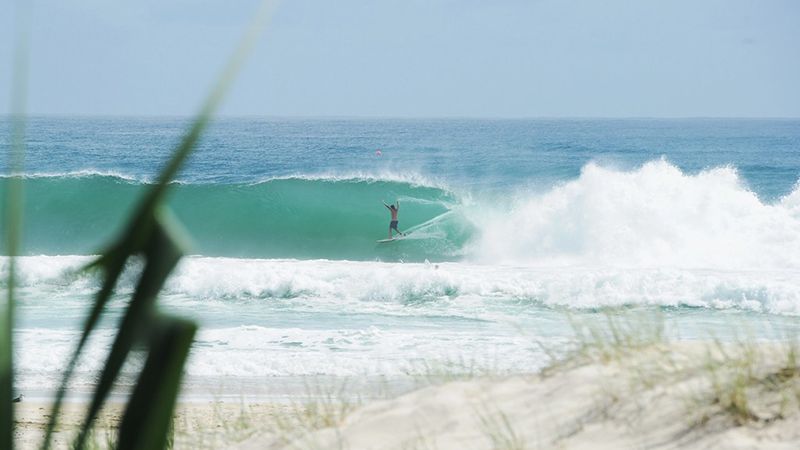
column 382, row 241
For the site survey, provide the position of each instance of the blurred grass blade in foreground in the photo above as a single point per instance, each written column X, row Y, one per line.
column 151, row 232
column 12, row 221
column 163, row 250
column 148, row 416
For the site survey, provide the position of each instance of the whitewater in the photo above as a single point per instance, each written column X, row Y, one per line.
column 516, row 227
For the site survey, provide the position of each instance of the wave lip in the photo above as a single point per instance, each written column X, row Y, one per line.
column 409, row 178
column 85, row 173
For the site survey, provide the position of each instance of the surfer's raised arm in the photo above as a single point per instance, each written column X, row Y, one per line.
column 398, row 204
column 387, row 206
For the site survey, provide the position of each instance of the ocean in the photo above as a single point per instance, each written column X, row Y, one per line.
column 515, row 229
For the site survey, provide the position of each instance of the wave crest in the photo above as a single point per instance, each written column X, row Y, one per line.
column 653, row 216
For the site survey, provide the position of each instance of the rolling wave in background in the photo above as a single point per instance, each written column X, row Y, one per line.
column 649, row 236
column 649, row 217
column 293, row 217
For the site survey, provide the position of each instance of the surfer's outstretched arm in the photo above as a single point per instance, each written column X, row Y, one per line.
column 387, row 206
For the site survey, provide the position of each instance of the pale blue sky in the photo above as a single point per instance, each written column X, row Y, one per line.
column 417, row 58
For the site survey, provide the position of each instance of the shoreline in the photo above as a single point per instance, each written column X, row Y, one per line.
column 279, row 389
column 198, row 424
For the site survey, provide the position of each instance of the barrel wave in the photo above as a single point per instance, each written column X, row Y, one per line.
column 292, row 217
column 652, row 216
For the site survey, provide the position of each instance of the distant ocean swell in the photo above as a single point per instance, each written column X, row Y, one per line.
column 655, row 216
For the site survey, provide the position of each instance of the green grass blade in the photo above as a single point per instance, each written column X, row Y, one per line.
column 162, row 253
column 111, row 274
column 133, row 238
column 12, row 219
column 13, row 227
column 148, row 416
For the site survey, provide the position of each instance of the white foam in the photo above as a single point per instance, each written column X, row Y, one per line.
column 84, row 173
column 655, row 216
column 287, row 318
column 411, row 178
column 259, row 352
column 447, row 288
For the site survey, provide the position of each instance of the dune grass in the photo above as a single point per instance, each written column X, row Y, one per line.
column 751, row 383
column 232, row 423
column 323, row 406
column 607, row 336
column 499, row 430
column 434, row 372
column 742, row 380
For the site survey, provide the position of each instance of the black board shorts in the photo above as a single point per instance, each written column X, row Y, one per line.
column 393, row 224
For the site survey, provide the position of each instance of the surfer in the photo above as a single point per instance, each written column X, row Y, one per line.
column 393, row 224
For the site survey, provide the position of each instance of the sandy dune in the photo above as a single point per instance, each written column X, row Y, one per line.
column 660, row 398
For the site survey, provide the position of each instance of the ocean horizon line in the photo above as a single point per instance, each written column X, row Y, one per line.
column 299, row 117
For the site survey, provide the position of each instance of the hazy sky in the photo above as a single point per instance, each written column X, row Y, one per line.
column 416, row 58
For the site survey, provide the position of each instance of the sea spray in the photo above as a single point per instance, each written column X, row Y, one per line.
column 652, row 216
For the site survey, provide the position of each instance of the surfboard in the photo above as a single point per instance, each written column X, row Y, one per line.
column 382, row 241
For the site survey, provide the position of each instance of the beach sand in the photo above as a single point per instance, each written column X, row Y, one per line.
column 664, row 396
column 198, row 424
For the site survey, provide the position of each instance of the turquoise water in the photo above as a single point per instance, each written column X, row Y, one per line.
column 511, row 224
column 278, row 218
